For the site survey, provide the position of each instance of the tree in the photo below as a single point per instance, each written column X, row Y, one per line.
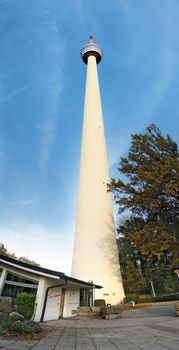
column 4, row 251
column 27, row 260
column 150, row 196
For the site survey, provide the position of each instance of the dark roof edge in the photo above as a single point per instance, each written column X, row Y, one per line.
column 32, row 267
column 72, row 279
column 46, row 271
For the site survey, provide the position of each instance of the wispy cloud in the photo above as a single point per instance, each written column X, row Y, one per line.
column 166, row 61
column 51, row 248
column 1, row 151
column 143, row 43
column 151, row 49
column 48, row 133
column 24, row 202
column 1, row 158
column 47, row 139
column 14, row 93
column 3, row 1
column 54, row 53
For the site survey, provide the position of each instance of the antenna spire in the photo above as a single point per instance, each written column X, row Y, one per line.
column 91, row 40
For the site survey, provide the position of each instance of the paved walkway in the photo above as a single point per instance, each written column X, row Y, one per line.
column 154, row 328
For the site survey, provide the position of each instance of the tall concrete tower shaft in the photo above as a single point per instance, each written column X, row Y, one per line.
column 95, row 255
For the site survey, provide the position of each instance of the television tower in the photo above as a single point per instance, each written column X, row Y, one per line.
column 95, row 254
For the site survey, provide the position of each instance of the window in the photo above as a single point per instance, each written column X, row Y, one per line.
column 85, row 297
column 16, row 284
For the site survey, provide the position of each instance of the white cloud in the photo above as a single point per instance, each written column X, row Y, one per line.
column 15, row 92
column 117, row 147
column 47, row 139
column 54, row 82
column 161, row 65
column 49, row 248
column 24, row 202
column 3, row 1
column 1, row 159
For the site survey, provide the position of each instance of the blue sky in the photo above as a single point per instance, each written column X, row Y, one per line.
column 42, row 81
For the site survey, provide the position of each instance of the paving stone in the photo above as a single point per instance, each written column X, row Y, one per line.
column 171, row 344
column 43, row 347
column 153, row 328
column 85, row 347
column 18, row 347
column 6, row 342
column 64, row 347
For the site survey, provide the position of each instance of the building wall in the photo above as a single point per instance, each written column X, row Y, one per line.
column 44, row 283
column 2, row 279
column 71, row 302
column 17, row 271
column 61, row 301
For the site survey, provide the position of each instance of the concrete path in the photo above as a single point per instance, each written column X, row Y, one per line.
column 154, row 328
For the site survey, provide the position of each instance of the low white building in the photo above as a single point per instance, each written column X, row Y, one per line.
column 57, row 295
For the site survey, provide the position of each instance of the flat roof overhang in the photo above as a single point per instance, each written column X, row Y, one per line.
column 45, row 272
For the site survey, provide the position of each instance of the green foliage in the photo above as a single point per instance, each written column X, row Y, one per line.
column 17, row 327
column 132, row 297
column 5, row 252
column 151, row 192
column 99, row 302
column 162, row 275
column 170, row 297
column 147, row 300
column 133, row 279
column 170, row 284
column 27, row 261
column 25, row 303
column 149, row 197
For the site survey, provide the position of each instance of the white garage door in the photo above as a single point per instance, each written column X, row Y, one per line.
column 53, row 306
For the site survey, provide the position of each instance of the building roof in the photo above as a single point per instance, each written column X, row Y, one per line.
column 44, row 272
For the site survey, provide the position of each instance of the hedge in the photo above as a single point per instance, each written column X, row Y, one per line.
column 132, row 297
column 169, row 297
column 99, row 302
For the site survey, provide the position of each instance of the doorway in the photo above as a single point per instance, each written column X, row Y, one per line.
column 54, row 306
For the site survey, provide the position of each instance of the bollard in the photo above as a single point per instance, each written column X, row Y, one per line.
column 177, row 309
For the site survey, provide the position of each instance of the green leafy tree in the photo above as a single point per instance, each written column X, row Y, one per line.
column 133, row 279
column 5, row 252
column 170, row 284
column 27, row 260
column 150, row 196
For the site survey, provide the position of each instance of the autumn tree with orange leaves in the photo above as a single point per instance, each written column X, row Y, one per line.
column 150, row 198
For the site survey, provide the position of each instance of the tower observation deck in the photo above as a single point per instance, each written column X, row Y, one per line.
column 91, row 49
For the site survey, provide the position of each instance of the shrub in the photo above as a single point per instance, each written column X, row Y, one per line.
column 25, row 303
column 147, row 300
column 20, row 327
column 17, row 327
column 169, row 297
column 132, row 297
column 99, row 302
